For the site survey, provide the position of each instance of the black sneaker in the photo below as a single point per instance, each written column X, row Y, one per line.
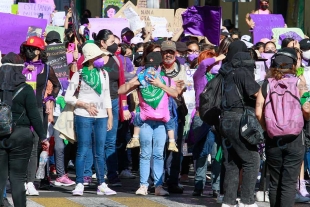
column 175, row 189
column 197, row 193
column 115, row 183
column 215, row 193
column 6, row 203
column 45, row 184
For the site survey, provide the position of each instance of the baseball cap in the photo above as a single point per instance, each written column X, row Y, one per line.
column 52, row 36
column 181, row 46
column 287, row 56
column 305, row 44
column 153, row 59
column 168, row 45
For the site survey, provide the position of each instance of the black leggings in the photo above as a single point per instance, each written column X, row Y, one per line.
column 14, row 158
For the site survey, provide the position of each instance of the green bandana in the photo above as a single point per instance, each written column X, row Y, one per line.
column 92, row 78
column 152, row 95
column 209, row 76
column 305, row 98
column 299, row 71
column 61, row 101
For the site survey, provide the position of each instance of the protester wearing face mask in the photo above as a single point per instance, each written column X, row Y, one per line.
column 305, row 47
column 106, row 42
column 192, row 51
column 33, row 50
column 173, row 69
column 127, row 35
column 181, row 52
column 270, row 47
column 263, row 9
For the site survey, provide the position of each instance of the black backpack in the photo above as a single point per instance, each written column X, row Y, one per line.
column 210, row 101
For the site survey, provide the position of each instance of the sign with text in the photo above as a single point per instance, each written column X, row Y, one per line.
column 51, row 2
column 57, row 59
column 115, row 25
column 5, row 6
column 111, row 7
column 264, row 25
column 14, row 29
column 142, row 4
column 128, row 5
column 41, row 11
column 178, row 21
column 134, row 20
column 145, row 14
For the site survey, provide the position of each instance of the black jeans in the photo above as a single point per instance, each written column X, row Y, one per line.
column 284, row 160
column 121, row 143
column 238, row 153
column 14, row 157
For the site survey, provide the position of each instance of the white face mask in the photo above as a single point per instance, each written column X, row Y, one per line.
column 306, row 55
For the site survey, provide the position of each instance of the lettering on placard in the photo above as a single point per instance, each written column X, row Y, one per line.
column 57, row 59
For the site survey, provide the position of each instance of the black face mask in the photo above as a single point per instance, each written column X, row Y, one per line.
column 112, row 48
column 264, row 7
column 269, row 51
column 30, row 54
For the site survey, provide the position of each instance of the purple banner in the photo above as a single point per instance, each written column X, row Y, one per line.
column 203, row 21
column 264, row 23
column 13, row 31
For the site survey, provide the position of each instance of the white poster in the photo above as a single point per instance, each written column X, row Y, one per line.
column 5, row 6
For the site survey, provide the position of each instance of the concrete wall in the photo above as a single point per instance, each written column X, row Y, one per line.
column 95, row 6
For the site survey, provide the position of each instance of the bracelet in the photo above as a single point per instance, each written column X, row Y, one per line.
column 125, row 108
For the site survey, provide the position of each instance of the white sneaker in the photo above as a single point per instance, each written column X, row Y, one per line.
column 159, row 191
column 220, row 198
column 31, row 190
column 126, row 174
column 247, row 205
column 79, row 189
column 103, row 189
column 94, row 176
column 300, row 199
column 142, row 190
column 226, row 205
column 260, row 196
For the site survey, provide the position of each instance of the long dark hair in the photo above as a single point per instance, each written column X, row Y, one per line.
column 102, row 35
column 43, row 56
column 286, row 41
column 223, row 48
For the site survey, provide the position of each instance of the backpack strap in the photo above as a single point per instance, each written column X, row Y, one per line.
column 116, row 60
column 265, row 88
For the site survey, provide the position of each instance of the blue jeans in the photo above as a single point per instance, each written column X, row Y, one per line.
column 307, row 160
column 88, row 172
column 152, row 143
column 84, row 127
column 110, row 144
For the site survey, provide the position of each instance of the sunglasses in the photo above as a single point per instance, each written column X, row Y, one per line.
column 193, row 51
column 171, row 52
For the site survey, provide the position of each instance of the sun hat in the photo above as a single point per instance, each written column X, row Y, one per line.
column 91, row 51
column 35, row 42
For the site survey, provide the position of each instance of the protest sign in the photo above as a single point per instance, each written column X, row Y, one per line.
column 120, row 13
column 178, row 21
column 145, row 14
column 59, row 18
column 13, row 30
column 5, row 6
column 203, row 21
column 160, row 27
column 41, row 11
column 260, row 71
column 57, row 59
column 264, row 25
column 141, row 4
column 111, row 7
column 281, row 33
column 134, row 20
column 14, row 9
column 60, row 30
column 51, row 2
column 114, row 24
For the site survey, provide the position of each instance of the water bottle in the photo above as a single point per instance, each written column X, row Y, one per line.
column 41, row 169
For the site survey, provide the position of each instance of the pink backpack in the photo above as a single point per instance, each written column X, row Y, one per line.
column 283, row 114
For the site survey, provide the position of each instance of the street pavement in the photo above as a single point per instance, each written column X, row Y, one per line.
column 62, row 197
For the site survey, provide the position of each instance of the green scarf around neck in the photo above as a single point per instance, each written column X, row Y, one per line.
column 92, row 78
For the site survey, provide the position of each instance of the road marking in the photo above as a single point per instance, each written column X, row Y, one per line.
column 55, row 202
column 136, row 201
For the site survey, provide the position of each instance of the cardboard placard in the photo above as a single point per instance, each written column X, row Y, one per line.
column 114, row 24
column 141, row 4
column 144, row 13
column 41, row 11
column 111, row 7
column 279, row 31
column 5, row 6
column 178, row 21
column 120, row 13
column 16, row 26
column 60, row 30
column 264, row 25
column 57, row 59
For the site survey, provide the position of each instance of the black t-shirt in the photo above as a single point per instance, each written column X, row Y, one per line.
column 113, row 70
column 247, row 86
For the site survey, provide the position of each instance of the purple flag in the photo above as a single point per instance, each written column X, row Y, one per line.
column 14, row 30
column 264, row 23
column 203, row 21
column 290, row 34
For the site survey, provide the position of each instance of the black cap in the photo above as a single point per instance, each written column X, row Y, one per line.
column 286, row 56
column 53, row 36
column 153, row 59
column 305, row 44
column 125, row 30
column 181, row 46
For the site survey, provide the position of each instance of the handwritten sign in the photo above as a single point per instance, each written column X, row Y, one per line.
column 111, row 7
column 141, row 4
column 60, row 30
column 145, row 14
column 57, row 59
column 41, row 11
column 264, row 25
column 120, row 13
column 277, row 32
column 160, row 27
column 16, row 26
column 5, row 6
column 59, row 18
column 50, row 2
column 115, row 25
column 134, row 20
column 178, row 21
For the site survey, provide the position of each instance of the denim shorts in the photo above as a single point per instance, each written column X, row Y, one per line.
column 138, row 122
